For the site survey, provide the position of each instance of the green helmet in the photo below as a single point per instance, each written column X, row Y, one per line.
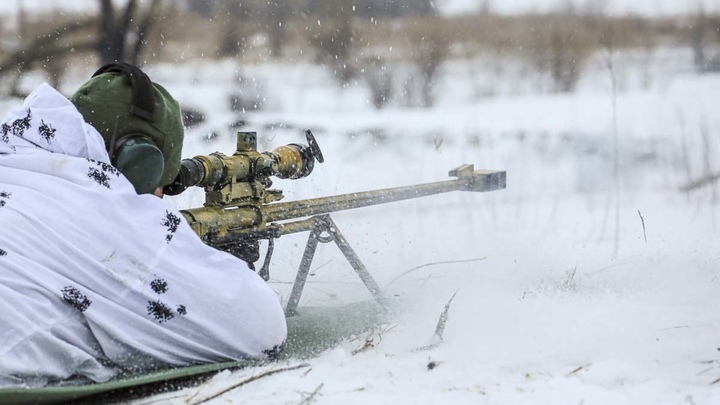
column 109, row 102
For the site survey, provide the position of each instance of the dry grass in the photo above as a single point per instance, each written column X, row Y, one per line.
column 193, row 35
column 557, row 44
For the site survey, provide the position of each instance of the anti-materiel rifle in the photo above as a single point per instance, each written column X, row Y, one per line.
column 241, row 209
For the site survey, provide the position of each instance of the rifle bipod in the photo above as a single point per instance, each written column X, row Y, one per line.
column 324, row 230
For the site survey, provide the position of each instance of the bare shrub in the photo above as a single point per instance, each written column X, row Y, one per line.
column 379, row 80
column 429, row 43
column 431, row 55
column 560, row 49
column 250, row 96
column 408, row 89
column 43, row 48
column 233, row 40
column 118, row 33
column 123, row 30
column 332, row 38
column 704, row 39
column 192, row 117
column 277, row 16
column 338, row 33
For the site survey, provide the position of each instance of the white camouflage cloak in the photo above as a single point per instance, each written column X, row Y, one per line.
column 95, row 278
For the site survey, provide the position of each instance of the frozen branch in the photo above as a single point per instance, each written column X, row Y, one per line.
column 251, row 379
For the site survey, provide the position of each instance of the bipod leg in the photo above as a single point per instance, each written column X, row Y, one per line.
column 324, row 224
column 354, row 261
column 303, row 271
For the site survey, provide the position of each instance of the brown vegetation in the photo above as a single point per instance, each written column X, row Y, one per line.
column 339, row 35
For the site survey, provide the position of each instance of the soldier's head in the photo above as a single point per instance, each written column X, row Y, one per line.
column 140, row 122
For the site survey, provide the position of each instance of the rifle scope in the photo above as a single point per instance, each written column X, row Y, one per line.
column 215, row 171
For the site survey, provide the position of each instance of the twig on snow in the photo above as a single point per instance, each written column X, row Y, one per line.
column 643, row 224
column 576, row 370
column 370, row 339
column 433, row 264
column 440, row 329
column 366, row 345
column 308, row 398
column 570, row 282
column 437, row 338
column 251, row 379
column 162, row 400
column 705, row 371
column 699, row 183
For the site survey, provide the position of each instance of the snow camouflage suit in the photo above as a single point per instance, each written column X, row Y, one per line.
column 95, row 278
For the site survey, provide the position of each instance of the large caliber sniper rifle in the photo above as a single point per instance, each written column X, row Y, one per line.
column 240, row 208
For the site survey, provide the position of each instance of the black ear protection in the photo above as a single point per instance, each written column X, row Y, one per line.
column 135, row 155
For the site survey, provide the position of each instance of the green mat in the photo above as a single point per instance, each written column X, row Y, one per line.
column 310, row 332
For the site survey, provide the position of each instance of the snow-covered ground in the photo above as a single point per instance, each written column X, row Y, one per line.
column 576, row 285
column 590, row 280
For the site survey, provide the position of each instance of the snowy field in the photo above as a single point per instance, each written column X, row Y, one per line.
column 591, row 280
column 579, row 284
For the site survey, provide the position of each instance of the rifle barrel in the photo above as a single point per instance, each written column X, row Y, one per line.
column 468, row 180
column 304, row 208
column 251, row 219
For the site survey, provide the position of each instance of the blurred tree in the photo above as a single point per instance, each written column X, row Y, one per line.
column 429, row 42
column 43, row 51
column 394, row 8
column 379, row 79
column 121, row 36
column 332, row 37
column 240, row 20
column 236, row 15
column 120, row 40
column 206, row 8
column 704, row 30
column 567, row 55
column 560, row 48
column 278, row 14
column 485, row 8
column 431, row 54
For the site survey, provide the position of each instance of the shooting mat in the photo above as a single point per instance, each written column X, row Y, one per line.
column 310, row 332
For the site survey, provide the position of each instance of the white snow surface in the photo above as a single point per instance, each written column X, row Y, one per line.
column 575, row 285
